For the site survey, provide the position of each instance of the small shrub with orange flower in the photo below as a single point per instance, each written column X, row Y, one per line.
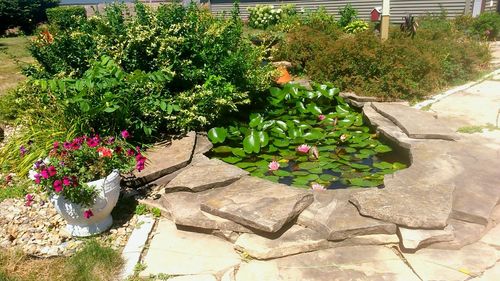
column 71, row 164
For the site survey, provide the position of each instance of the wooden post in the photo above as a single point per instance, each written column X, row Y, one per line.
column 384, row 24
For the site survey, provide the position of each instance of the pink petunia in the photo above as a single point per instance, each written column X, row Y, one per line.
column 66, row 181
column 273, row 166
column 52, row 171
column 55, row 145
column 45, row 174
column 74, row 181
column 57, row 186
column 130, row 152
column 125, row 134
column 94, row 141
column 88, row 214
column 38, row 178
column 303, row 148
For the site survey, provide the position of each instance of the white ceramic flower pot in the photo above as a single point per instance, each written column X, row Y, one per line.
column 108, row 191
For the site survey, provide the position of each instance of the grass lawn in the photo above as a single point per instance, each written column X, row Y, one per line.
column 92, row 263
column 13, row 54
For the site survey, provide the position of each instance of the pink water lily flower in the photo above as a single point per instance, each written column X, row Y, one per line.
column 321, row 117
column 317, row 186
column 273, row 166
column 303, row 148
column 315, row 152
column 88, row 214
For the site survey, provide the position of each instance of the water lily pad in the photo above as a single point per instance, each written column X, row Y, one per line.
column 309, row 165
column 281, row 142
column 382, row 148
column 245, row 165
column 238, row 152
column 300, row 173
column 363, row 182
column 222, row 149
column 231, row 159
column 328, row 177
column 281, row 173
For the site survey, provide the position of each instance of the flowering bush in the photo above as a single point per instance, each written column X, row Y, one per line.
column 71, row 164
column 262, row 16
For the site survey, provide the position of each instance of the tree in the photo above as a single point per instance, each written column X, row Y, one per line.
column 24, row 13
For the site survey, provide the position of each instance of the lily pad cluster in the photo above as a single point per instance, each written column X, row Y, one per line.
column 306, row 138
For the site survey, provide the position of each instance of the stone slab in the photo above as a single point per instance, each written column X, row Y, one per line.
column 411, row 206
column 205, row 175
column 347, row 263
column 185, row 210
column 420, row 196
column 204, row 277
column 258, row 203
column 492, row 237
column 332, row 215
column 203, row 144
column 415, row 123
column 491, row 274
column 176, row 252
column 164, row 159
column 131, row 254
column 387, row 129
column 415, row 238
column 370, row 239
column 450, row 265
column 295, row 240
column 464, row 233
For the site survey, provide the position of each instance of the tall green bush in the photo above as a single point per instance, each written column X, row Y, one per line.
column 487, row 25
column 23, row 13
column 65, row 17
column 210, row 68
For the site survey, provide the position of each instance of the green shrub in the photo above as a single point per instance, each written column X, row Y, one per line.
column 487, row 25
column 22, row 13
column 400, row 68
column 347, row 15
column 210, row 69
column 64, row 17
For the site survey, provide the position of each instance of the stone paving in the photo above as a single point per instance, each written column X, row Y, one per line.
column 436, row 220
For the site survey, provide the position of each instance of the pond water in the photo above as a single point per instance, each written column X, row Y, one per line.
column 307, row 138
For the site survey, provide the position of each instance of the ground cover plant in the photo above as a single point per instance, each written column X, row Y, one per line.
column 306, row 138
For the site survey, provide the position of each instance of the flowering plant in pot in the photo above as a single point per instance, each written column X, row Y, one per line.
column 82, row 179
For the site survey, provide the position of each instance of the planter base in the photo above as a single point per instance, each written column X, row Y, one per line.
column 90, row 229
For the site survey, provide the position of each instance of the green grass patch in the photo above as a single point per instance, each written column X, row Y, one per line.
column 17, row 191
column 13, row 55
column 94, row 262
column 477, row 129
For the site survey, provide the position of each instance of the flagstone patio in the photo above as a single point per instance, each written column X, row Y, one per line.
column 435, row 220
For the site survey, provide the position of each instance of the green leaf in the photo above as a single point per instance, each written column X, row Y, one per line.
column 314, row 109
column 222, row 149
column 363, row 183
column 163, row 105
column 281, row 142
column 281, row 173
column 264, row 139
column 256, row 121
column 217, row 135
column 282, row 125
column 238, row 152
column 251, row 143
column 84, row 106
column 231, row 159
column 382, row 148
column 245, row 165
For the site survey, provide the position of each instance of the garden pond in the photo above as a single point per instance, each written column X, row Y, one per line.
column 307, row 139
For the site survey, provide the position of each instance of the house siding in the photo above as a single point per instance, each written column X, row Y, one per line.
column 399, row 8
